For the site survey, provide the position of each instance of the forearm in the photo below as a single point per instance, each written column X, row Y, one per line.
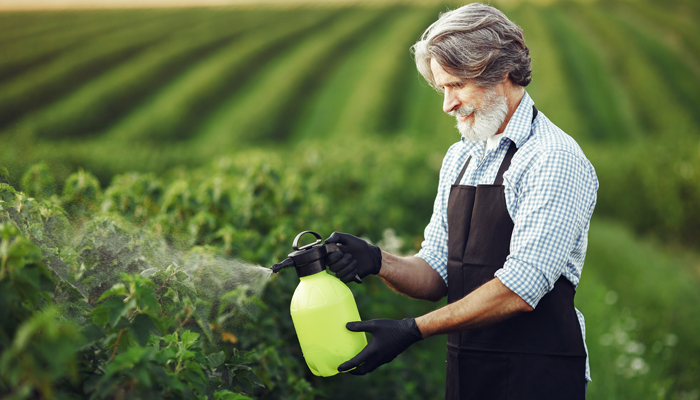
column 412, row 276
column 492, row 302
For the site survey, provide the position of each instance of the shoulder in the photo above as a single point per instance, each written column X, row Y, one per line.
column 550, row 147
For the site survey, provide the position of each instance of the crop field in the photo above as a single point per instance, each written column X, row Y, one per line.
column 158, row 138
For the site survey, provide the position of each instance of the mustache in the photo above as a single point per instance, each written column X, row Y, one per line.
column 463, row 111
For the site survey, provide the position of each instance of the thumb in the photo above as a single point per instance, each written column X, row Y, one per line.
column 359, row 326
column 335, row 237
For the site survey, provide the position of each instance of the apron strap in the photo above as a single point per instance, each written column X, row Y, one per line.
column 509, row 155
column 461, row 174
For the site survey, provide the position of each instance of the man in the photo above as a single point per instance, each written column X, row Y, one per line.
column 508, row 235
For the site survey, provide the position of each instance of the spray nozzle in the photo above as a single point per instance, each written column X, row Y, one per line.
column 284, row 264
column 308, row 259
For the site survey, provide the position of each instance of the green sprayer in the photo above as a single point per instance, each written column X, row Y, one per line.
column 321, row 306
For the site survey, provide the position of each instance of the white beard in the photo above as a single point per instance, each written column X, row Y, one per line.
column 487, row 118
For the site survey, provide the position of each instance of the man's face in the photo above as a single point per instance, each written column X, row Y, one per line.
column 480, row 112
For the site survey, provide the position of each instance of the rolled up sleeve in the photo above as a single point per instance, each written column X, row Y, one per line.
column 554, row 200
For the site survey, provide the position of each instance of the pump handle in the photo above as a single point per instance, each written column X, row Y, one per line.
column 295, row 244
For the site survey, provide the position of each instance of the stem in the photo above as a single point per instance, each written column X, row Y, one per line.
column 189, row 314
column 164, row 283
column 116, row 345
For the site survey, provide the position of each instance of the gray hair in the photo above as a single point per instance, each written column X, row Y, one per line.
column 475, row 42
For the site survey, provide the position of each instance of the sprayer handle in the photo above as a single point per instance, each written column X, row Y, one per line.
column 295, row 244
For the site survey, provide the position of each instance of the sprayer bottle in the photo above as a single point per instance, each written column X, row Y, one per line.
column 321, row 306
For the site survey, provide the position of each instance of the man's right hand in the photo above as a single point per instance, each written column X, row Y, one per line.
column 356, row 257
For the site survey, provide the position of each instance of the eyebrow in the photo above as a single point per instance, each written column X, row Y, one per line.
column 451, row 83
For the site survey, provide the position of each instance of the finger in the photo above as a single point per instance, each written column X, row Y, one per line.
column 360, row 326
column 335, row 237
column 345, row 261
column 348, row 273
column 365, row 368
column 357, row 360
column 333, row 257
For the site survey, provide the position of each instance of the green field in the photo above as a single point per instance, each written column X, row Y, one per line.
column 236, row 128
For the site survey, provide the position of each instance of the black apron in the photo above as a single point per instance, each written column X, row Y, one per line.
column 533, row 355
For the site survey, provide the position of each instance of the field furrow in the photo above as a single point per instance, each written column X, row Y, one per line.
column 96, row 105
column 20, row 55
column 266, row 109
column 678, row 69
column 47, row 83
column 175, row 112
column 589, row 77
column 335, row 109
column 634, row 68
column 374, row 89
column 550, row 88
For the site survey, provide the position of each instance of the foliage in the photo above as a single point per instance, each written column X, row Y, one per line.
column 75, row 323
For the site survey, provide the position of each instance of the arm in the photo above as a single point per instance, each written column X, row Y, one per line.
column 490, row 303
column 412, row 276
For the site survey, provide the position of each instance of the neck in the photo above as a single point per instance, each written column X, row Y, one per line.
column 514, row 94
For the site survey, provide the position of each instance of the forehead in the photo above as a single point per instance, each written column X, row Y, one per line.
column 442, row 77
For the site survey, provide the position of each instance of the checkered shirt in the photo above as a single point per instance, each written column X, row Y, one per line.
column 550, row 190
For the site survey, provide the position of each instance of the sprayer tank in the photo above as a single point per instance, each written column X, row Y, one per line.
column 320, row 308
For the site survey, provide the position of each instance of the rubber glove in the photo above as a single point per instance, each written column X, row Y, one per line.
column 356, row 257
column 389, row 339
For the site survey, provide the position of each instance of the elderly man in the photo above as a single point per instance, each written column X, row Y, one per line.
column 508, row 235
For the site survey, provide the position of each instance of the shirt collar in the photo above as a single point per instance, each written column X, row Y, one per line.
column 518, row 129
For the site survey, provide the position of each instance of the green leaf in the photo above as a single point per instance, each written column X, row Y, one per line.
column 117, row 289
column 188, row 288
column 216, row 359
column 91, row 335
column 148, row 302
column 140, row 329
column 189, row 338
column 149, row 272
column 229, row 395
column 101, row 313
column 117, row 309
column 172, row 338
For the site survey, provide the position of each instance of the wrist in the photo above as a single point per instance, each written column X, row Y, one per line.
column 415, row 330
column 423, row 327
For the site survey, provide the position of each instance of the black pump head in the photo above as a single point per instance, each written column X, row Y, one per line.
column 309, row 259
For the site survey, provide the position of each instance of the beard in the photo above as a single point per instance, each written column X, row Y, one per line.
column 487, row 118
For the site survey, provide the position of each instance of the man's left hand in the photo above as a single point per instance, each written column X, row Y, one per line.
column 389, row 339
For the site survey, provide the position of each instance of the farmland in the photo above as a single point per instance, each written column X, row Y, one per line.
column 223, row 132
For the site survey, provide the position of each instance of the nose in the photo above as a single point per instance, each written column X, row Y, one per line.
column 451, row 101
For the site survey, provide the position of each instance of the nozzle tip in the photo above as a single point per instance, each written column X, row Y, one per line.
column 284, row 264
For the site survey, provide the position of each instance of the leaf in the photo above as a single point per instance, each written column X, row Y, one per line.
column 100, row 314
column 216, row 359
column 149, row 272
column 189, row 338
column 117, row 289
column 188, row 288
column 140, row 329
column 247, row 377
column 91, row 335
column 149, row 302
column 229, row 395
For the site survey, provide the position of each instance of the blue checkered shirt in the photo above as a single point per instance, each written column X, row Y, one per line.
column 550, row 190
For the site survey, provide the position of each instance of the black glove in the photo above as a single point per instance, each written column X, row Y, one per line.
column 356, row 257
column 389, row 339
